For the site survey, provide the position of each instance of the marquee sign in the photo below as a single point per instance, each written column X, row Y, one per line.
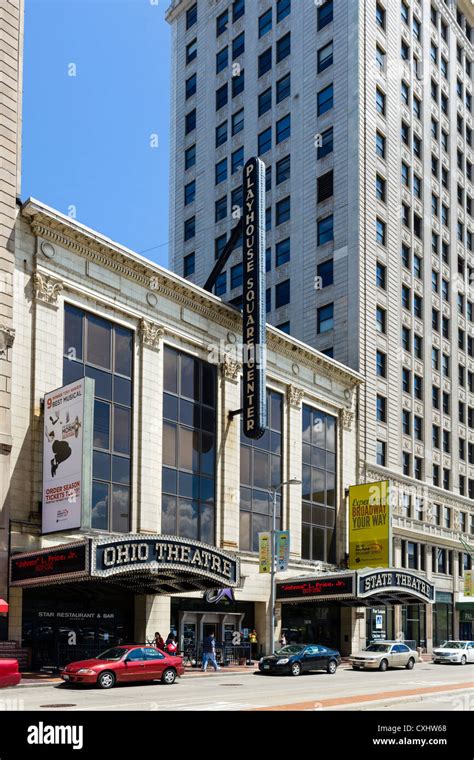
column 58, row 564
column 316, row 588
column 142, row 552
column 383, row 581
column 254, row 335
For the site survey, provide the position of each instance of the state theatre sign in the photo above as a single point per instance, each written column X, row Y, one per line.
column 396, row 582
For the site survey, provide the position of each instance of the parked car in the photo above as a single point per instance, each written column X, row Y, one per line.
column 9, row 673
column 460, row 652
column 383, row 655
column 125, row 664
column 295, row 659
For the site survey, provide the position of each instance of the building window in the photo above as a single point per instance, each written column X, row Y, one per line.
column 325, row 99
column 380, row 102
column 189, row 192
column 325, row 143
column 283, row 9
column 261, row 470
column 265, row 23
column 238, row 84
column 190, row 121
column 325, row 186
column 283, row 47
column 282, row 211
column 283, row 88
column 284, row 327
column 191, row 51
column 325, row 14
column 381, row 453
column 381, row 232
column 238, row 10
column 222, row 59
column 221, row 134
column 238, row 46
column 237, row 122
column 319, row 486
column 325, row 57
column 282, row 252
column 222, row 97
column 189, row 264
column 237, row 160
column 283, row 170
column 236, row 276
column 221, row 209
column 265, row 62
column 222, row 23
column 326, row 273
column 189, row 228
column 189, row 447
column 190, row 157
column 191, row 86
column 265, row 101
column 380, row 319
column 283, row 129
column 380, row 144
column 381, row 364
column 325, row 318
column 326, row 230
column 381, row 409
column 99, row 349
column 265, row 141
column 282, row 294
column 191, row 16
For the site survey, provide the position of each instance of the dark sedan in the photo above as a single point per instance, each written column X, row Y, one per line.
column 295, row 659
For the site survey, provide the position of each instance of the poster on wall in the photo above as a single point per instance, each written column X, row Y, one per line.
column 369, row 525
column 67, row 456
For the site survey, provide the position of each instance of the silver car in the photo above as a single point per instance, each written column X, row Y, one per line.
column 460, row 652
column 383, row 655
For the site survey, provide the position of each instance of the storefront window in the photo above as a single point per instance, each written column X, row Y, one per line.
column 414, row 623
column 102, row 350
column 312, row 624
column 189, row 447
column 319, row 486
column 442, row 618
column 260, row 470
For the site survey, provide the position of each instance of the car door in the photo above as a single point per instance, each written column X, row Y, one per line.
column 135, row 663
column 155, row 663
column 311, row 658
column 395, row 656
column 470, row 651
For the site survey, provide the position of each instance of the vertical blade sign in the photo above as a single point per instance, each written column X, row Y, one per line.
column 254, row 335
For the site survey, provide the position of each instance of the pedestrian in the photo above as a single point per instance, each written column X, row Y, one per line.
column 209, row 653
column 283, row 641
column 253, row 642
column 171, row 645
column 159, row 643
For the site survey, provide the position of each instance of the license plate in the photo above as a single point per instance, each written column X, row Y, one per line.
column 266, row 667
column 66, row 678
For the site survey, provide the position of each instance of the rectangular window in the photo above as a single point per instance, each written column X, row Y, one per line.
column 283, row 169
column 238, row 46
column 283, row 9
column 222, row 23
column 221, row 134
column 325, row 318
column 237, row 160
column 282, row 294
column 191, row 16
column 326, row 230
column 189, row 192
column 283, row 88
column 222, row 60
column 265, row 141
column 283, row 129
column 191, row 86
column 189, row 228
column 325, row 57
column 283, row 47
column 190, row 157
column 325, row 14
column 325, row 143
column 238, row 84
column 282, row 211
column 319, row 487
column 282, row 252
column 265, row 23
column 264, row 62
column 325, row 99
column 325, row 186
column 189, row 265
column 237, row 122
column 191, row 51
column 265, row 101
column 325, row 273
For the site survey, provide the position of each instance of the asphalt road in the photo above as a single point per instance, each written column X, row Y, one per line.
column 347, row 689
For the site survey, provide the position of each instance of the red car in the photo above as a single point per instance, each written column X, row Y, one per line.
column 9, row 675
column 125, row 664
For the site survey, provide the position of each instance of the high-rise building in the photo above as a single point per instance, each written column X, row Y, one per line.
column 11, row 33
column 362, row 113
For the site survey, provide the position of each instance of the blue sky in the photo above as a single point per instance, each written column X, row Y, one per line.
column 88, row 139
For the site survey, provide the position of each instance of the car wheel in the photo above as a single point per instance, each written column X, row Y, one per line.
column 410, row 664
column 463, row 659
column 295, row 669
column 169, row 676
column 383, row 666
column 106, row 680
column 332, row 667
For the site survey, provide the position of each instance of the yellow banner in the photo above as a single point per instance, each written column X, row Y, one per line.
column 264, row 552
column 369, row 525
column 469, row 583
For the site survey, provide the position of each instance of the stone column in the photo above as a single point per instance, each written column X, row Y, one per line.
column 261, row 625
column 152, row 613
column 293, row 468
column 15, row 615
column 228, row 455
column 150, row 429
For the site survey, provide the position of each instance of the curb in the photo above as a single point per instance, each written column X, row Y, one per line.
column 198, row 674
column 396, row 700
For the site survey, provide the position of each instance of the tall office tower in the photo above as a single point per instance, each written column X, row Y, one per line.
column 11, row 32
column 362, row 113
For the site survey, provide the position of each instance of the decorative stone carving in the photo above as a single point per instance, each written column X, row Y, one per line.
column 347, row 418
column 230, row 368
column 151, row 334
column 294, row 396
column 397, row 541
column 7, row 336
column 47, row 288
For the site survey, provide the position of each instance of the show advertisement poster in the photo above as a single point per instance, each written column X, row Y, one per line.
column 369, row 525
column 264, row 552
column 67, row 473
column 469, row 583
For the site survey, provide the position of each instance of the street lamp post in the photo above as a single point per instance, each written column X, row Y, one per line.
column 273, row 492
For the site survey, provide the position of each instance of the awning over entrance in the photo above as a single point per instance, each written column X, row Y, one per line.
column 368, row 587
column 3, row 606
column 141, row 564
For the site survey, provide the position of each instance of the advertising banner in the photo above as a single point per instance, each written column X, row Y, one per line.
column 67, row 456
column 282, row 549
column 264, row 552
column 369, row 525
column 469, row 583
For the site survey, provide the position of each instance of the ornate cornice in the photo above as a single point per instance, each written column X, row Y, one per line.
column 7, row 336
column 46, row 288
column 151, row 334
column 294, row 396
column 231, row 368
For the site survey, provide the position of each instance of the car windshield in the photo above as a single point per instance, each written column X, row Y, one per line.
column 116, row 653
column 378, row 648
column 453, row 645
column 291, row 649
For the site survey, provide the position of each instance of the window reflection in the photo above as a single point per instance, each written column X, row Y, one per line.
column 260, row 470
column 319, row 485
column 189, row 447
column 90, row 342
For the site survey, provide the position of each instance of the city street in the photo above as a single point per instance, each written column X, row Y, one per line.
column 422, row 689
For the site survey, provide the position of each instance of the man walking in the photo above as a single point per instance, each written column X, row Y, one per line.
column 209, row 653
